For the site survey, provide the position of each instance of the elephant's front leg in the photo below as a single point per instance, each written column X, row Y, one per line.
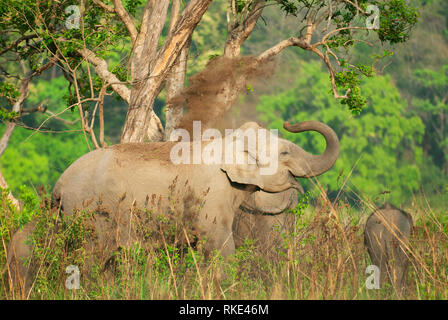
column 215, row 225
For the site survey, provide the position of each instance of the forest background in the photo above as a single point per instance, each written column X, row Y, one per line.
column 396, row 149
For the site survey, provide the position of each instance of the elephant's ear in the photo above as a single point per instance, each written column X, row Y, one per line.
column 244, row 173
column 248, row 172
column 270, row 203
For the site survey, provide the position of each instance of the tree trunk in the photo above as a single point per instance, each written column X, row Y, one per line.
column 9, row 196
column 150, row 67
column 174, row 85
column 141, row 121
column 17, row 107
column 4, row 141
column 6, row 136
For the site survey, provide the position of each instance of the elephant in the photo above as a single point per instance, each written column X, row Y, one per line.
column 263, row 217
column 18, row 271
column 114, row 181
column 386, row 235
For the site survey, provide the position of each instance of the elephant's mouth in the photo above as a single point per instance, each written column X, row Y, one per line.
column 295, row 184
column 255, row 211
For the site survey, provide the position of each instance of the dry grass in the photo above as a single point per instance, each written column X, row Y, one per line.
column 322, row 257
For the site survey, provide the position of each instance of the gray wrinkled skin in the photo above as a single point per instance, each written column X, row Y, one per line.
column 386, row 236
column 263, row 217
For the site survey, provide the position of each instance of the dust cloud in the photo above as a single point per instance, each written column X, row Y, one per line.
column 213, row 91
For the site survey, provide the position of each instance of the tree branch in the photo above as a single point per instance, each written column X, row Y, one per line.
column 39, row 108
column 182, row 31
column 358, row 8
column 101, row 98
column 174, row 16
column 126, row 19
column 327, row 62
column 55, row 117
column 17, row 42
column 238, row 33
column 176, row 78
column 24, row 91
column 146, row 44
column 101, row 69
column 309, row 29
column 324, row 39
column 104, row 6
column 276, row 49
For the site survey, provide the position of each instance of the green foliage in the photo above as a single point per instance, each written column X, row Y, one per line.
column 288, row 7
column 208, row 38
column 349, row 81
column 70, row 234
column 300, row 224
column 301, row 206
column 131, row 5
column 53, row 93
column 8, row 93
column 6, row 115
column 36, row 158
column 30, row 204
column 431, row 105
column 434, row 82
column 45, row 23
column 12, row 219
column 8, row 90
column 397, row 20
column 245, row 267
column 240, row 4
column 382, row 145
column 180, row 259
column 120, row 71
column 40, row 159
column 163, row 260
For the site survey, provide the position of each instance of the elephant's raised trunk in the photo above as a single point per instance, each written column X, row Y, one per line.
column 313, row 165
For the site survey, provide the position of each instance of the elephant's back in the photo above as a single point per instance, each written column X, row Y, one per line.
column 383, row 223
column 79, row 178
column 131, row 171
column 143, row 151
column 120, row 155
column 85, row 165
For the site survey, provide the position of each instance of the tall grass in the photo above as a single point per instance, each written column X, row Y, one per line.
column 322, row 256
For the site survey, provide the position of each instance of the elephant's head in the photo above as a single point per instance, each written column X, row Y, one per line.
column 292, row 161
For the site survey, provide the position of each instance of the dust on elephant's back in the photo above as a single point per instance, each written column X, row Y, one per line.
column 109, row 177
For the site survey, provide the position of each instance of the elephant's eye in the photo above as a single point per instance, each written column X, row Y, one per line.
column 284, row 153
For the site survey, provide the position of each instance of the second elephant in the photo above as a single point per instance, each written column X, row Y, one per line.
column 386, row 236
